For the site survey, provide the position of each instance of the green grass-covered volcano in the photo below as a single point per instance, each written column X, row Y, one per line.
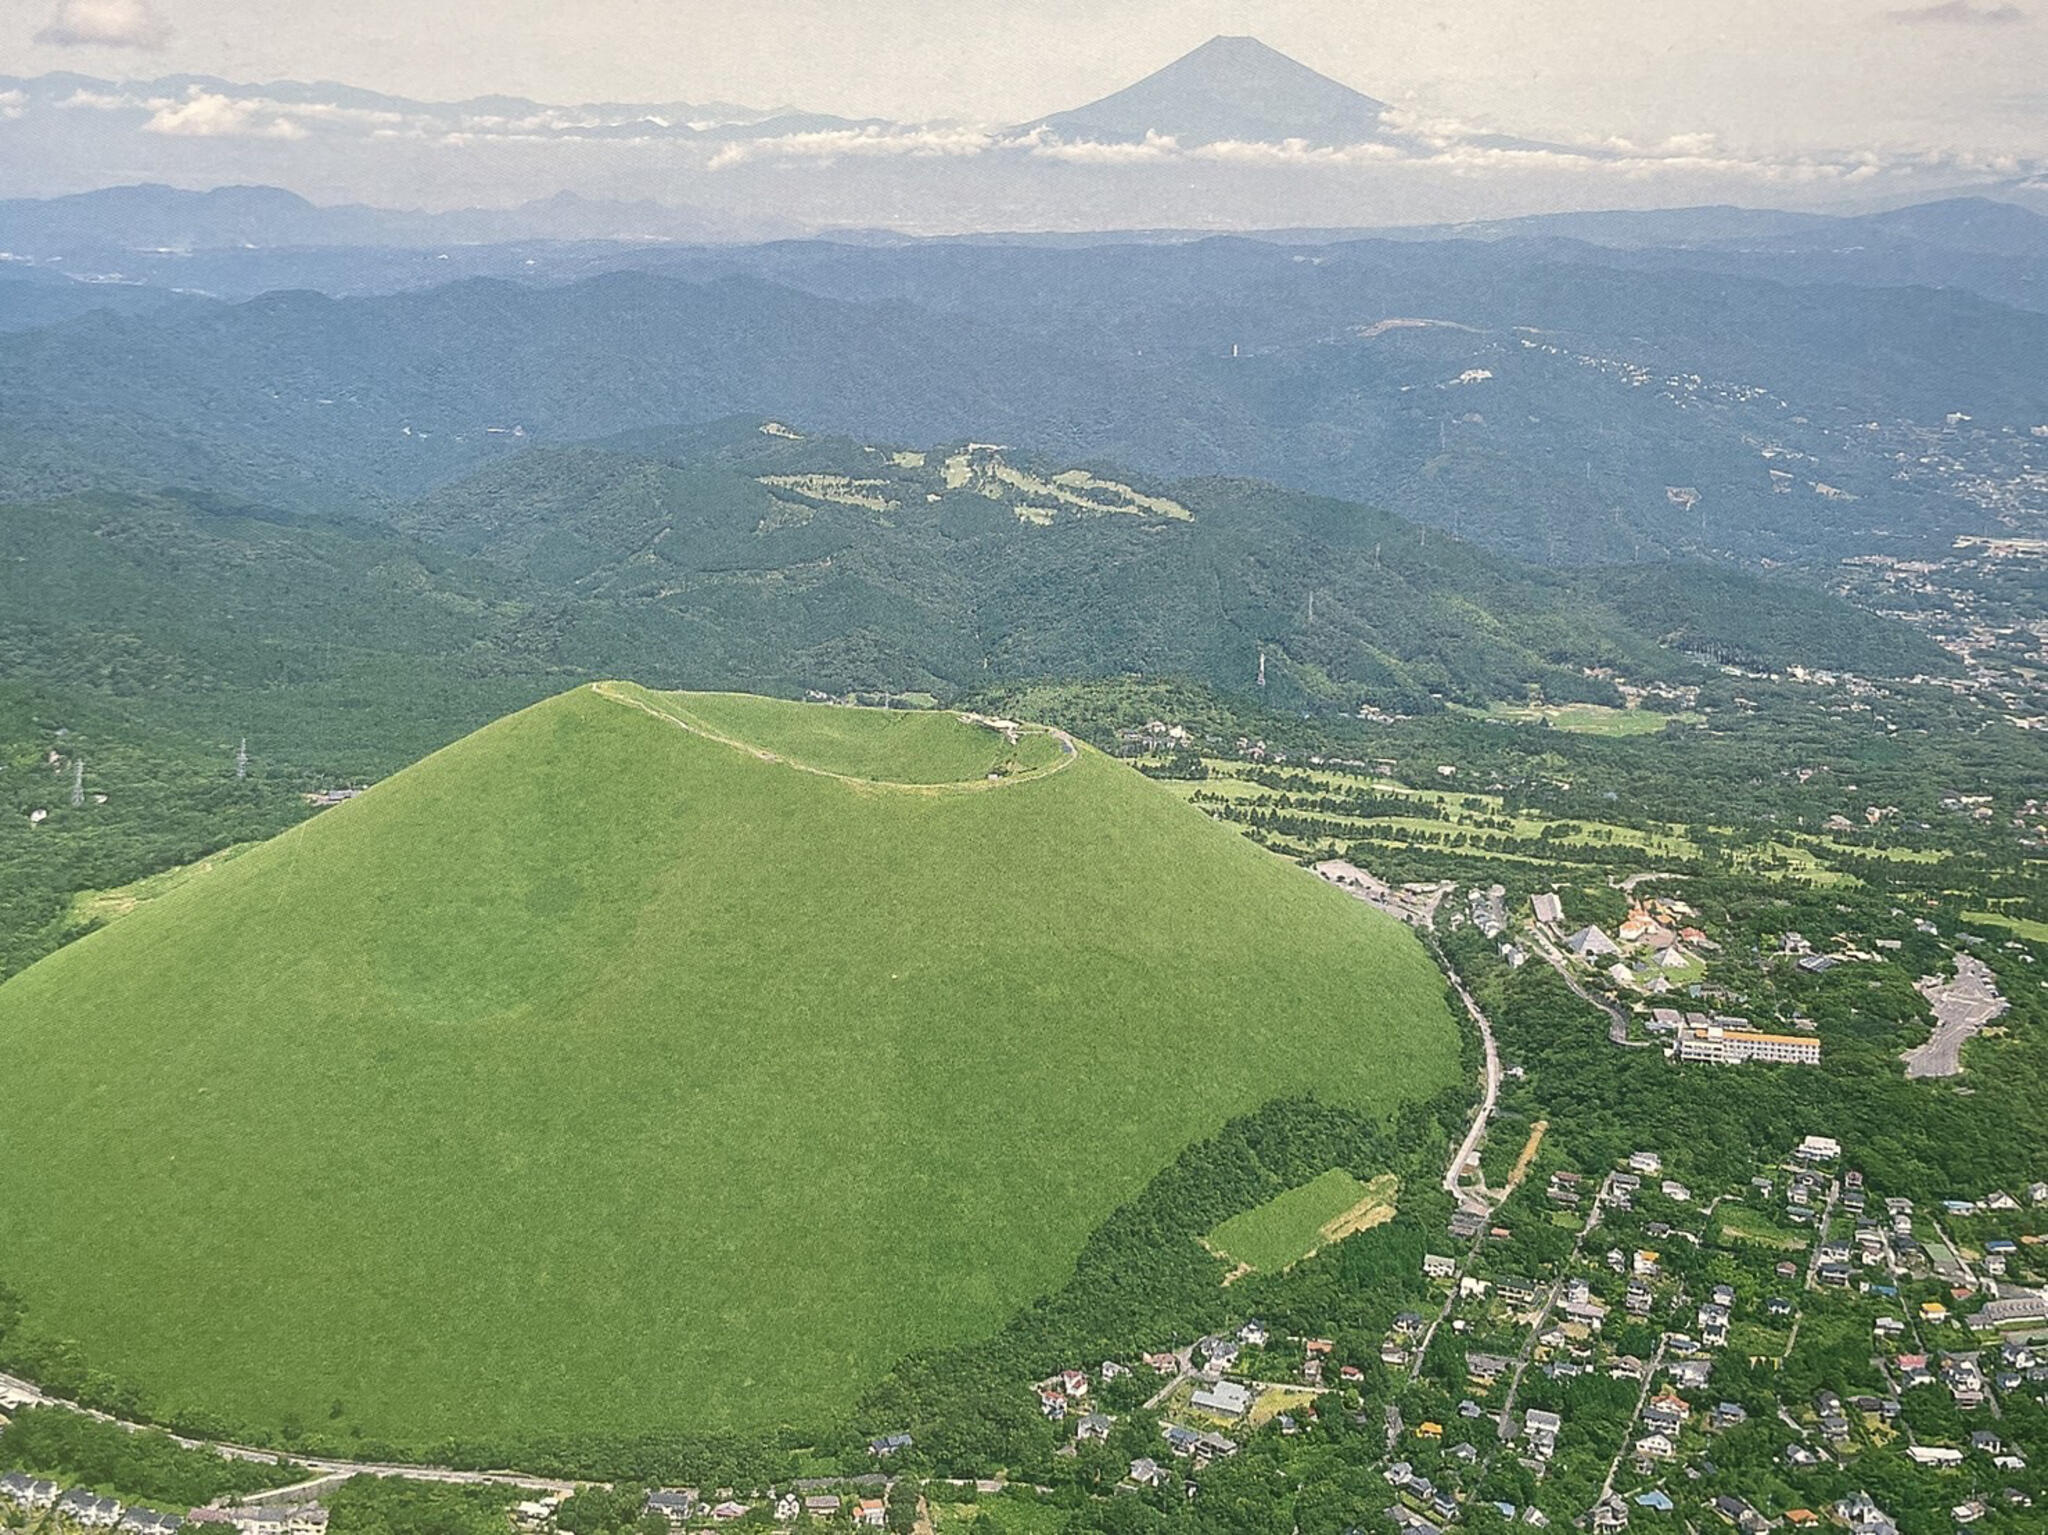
column 654, row 1060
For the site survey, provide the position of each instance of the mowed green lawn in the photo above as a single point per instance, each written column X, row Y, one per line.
column 1290, row 1226
column 1591, row 719
column 2026, row 927
column 591, row 1074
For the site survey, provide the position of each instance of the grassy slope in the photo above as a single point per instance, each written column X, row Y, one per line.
column 905, row 746
column 1288, row 1226
column 594, row 1074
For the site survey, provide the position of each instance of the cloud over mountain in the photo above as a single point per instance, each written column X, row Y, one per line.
column 1185, row 146
column 209, row 114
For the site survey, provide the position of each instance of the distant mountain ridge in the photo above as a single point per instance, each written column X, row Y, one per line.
column 698, row 116
column 1227, row 356
column 1230, row 88
column 153, row 217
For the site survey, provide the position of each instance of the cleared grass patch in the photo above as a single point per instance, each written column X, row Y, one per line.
column 1591, row 719
column 1739, row 1225
column 1791, row 860
column 2026, row 927
column 1304, row 1220
column 1011, row 1512
column 1270, row 1404
column 1829, row 847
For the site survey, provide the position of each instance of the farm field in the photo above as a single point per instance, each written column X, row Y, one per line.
column 1292, row 1225
column 595, row 1074
column 1590, row 719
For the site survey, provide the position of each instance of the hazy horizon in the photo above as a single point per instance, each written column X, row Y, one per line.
column 1862, row 73
column 1498, row 111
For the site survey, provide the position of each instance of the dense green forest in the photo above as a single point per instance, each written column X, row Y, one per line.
column 148, row 1467
column 148, row 635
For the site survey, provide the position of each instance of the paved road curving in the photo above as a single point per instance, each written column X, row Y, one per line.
column 1469, row 1147
column 37, row 1397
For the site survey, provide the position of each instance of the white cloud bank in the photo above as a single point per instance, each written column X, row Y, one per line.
column 1958, row 13
column 865, row 142
column 209, row 115
column 1410, row 142
column 106, row 24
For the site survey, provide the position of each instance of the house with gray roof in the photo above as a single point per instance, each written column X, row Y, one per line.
column 28, row 1491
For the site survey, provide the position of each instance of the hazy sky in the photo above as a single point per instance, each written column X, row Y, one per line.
column 1769, row 73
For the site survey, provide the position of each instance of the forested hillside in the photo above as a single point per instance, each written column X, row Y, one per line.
column 1566, row 405
column 149, row 634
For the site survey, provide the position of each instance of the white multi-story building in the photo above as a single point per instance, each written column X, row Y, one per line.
column 1729, row 1047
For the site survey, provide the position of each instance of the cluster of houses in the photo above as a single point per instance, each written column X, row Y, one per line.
column 1489, row 909
column 681, row 1506
column 1211, row 1358
column 77, row 1506
column 1198, row 1445
column 1058, row 1393
column 1883, row 1238
column 1156, row 738
column 1405, row 1335
column 1857, row 1514
column 91, row 1511
column 1423, row 1506
column 301, row 1518
column 1659, row 939
column 1656, row 940
column 1214, row 1397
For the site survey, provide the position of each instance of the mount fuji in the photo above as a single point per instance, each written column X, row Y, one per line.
column 1230, row 88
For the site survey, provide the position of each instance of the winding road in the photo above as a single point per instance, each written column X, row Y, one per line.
column 321, row 1469
column 1468, row 1149
column 1617, row 1020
